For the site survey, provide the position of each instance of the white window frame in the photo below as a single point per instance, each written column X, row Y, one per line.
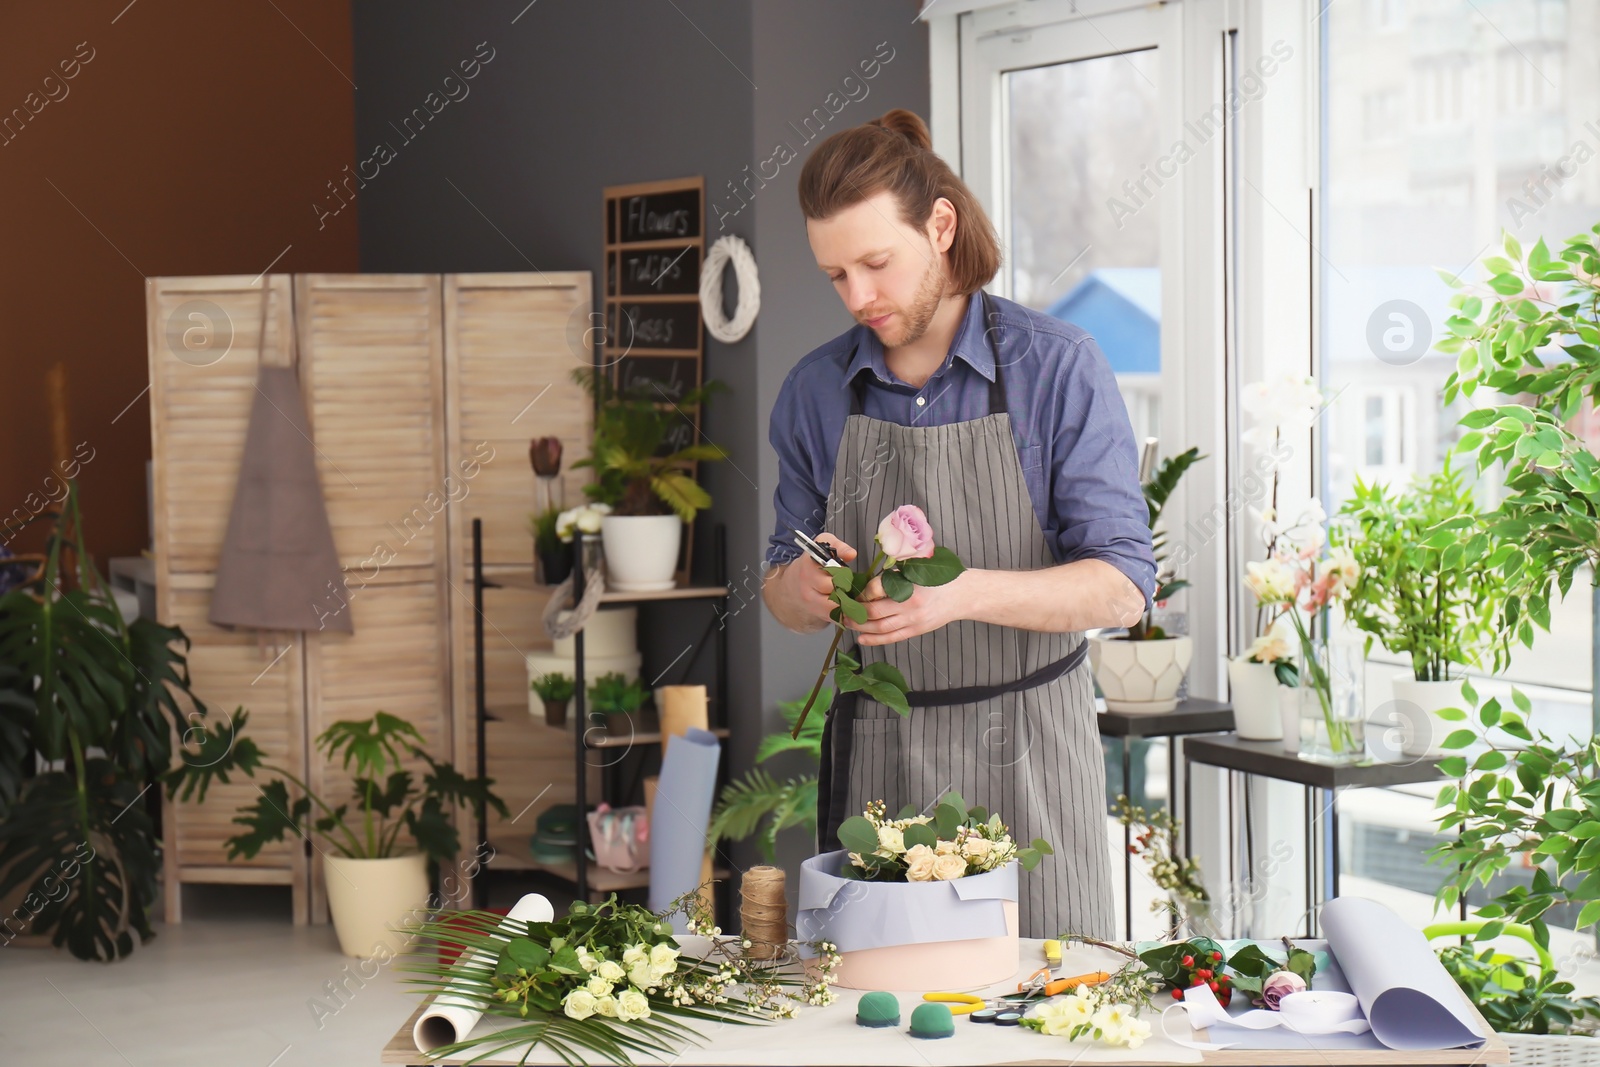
column 1212, row 339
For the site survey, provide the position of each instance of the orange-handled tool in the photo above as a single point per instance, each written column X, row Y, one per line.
column 1040, row 984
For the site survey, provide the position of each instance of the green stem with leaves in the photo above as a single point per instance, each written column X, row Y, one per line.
column 827, row 660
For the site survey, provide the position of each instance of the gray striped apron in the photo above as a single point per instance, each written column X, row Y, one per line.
column 1001, row 715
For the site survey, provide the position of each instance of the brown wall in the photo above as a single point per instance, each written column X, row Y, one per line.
column 194, row 138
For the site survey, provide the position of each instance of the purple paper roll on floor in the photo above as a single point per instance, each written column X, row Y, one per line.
column 679, row 817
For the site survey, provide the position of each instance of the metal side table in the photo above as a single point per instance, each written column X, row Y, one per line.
column 1269, row 760
column 1192, row 716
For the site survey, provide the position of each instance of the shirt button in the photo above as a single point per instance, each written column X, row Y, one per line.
column 921, row 401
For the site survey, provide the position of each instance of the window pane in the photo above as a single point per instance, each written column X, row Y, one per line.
column 1083, row 236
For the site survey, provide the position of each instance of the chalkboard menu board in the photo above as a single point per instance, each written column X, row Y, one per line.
column 654, row 340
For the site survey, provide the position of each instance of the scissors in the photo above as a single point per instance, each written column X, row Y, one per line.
column 1040, row 984
column 963, row 1003
column 816, row 550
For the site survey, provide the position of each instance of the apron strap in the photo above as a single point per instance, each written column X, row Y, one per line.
column 972, row 694
column 997, row 389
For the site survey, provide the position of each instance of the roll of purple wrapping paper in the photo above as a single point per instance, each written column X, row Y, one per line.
column 679, row 818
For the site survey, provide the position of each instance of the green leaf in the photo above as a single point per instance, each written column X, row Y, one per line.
column 897, row 586
column 920, row 834
column 842, row 577
column 851, row 607
column 1459, row 739
column 884, row 671
column 1589, row 915
column 942, row 567
column 856, row 834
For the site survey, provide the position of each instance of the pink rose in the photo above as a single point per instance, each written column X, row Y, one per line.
column 904, row 533
column 1278, row 985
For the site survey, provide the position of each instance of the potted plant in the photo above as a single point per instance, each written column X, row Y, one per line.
column 1533, row 1006
column 615, row 701
column 373, row 877
column 1429, row 589
column 89, row 707
column 551, row 551
column 554, row 689
column 1139, row 671
column 1531, row 329
column 1533, row 802
column 758, row 804
column 641, row 471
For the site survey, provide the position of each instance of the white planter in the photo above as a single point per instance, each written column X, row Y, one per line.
column 1413, row 717
column 641, row 551
column 368, row 897
column 1140, row 677
column 1253, row 692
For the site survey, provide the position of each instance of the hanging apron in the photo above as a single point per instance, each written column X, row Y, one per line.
column 1003, row 716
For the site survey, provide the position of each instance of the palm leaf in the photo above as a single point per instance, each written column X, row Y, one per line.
column 1165, row 480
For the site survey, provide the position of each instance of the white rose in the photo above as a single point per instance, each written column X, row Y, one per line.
column 598, row 986
column 634, row 954
column 641, row 975
column 611, row 971
column 588, row 962
column 891, row 840
column 948, row 867
column 919, row 865
column 632, row 1004
column 578, row 1004
column 946, row 846
column 977, row 848
column 606, row 1006
column 663, row 957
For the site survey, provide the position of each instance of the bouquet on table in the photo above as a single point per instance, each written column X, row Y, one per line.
column 906, row 558
column 953, row 842
column 609, row 979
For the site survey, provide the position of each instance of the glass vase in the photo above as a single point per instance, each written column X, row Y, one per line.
column 1332, row 702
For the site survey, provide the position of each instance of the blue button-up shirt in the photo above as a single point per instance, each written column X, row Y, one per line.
column 1071, row 428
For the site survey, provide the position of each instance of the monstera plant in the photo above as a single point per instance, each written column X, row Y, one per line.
column 89, row 707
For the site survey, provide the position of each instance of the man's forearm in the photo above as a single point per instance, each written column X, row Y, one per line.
column 1069, row 597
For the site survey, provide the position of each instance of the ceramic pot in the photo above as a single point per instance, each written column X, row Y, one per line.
column 556, row 566
column 1253, row 691
column 368, row 897
column 1140, row 677
column 1414, row 713
column 641, row 551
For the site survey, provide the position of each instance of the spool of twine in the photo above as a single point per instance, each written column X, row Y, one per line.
column 764, row 911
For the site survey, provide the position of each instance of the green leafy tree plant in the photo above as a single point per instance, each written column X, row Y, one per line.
column 1429, row 585
column 636, row 470
column 1532, row 329
column 98, row 700
column 761, row 806
column 387, row 797
column 1530, row 800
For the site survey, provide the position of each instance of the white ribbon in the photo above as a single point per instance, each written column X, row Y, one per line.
column 1311, row 1011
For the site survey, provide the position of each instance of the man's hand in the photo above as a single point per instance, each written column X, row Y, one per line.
column 927, row 608
column 797, row 592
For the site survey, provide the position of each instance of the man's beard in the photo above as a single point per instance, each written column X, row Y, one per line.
column 919, row 316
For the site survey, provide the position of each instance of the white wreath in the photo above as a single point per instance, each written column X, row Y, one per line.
column 744, row 269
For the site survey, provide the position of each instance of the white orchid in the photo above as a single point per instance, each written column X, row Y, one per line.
column 1270, row 647
column 1271, row 581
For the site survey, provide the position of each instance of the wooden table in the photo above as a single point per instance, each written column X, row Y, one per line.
column 806, row 1040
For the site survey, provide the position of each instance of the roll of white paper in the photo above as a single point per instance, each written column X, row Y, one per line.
column 451, row 1018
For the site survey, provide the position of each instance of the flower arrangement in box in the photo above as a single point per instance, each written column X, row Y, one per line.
column 906, row 558
column 954, row 842
column 918, row 901
column 608, row 979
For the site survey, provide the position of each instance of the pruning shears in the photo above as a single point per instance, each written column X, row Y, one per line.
column 1042, row 986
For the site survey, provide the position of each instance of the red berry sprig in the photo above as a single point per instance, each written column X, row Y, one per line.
column 1206, row 971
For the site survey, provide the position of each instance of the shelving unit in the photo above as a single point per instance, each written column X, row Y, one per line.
column 515, row 853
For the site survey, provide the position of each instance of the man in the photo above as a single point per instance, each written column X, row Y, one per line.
column 1005, row 426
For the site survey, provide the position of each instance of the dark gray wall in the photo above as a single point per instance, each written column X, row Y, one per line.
column 581, row 94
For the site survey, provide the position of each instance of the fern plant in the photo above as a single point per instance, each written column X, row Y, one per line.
column 637, row 469
column 761, row 806
column 1157, row 491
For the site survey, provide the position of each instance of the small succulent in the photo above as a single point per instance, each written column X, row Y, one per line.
column 614, row 694
column 553, row 686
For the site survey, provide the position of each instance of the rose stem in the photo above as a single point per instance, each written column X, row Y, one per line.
column 838, row 632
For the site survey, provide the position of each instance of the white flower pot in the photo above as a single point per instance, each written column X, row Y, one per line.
column 368, row 897
column 1413, row 716
column 1253, row 691
column 1140, row 677
column 641, row 551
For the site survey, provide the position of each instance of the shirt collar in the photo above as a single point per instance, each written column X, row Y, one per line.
column 971, row 344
